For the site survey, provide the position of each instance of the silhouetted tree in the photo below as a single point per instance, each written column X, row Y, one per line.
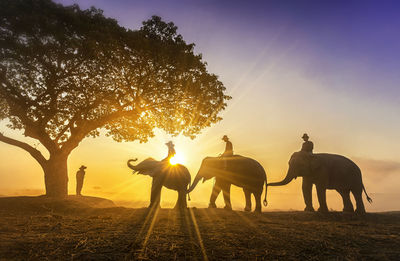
column 66, row 73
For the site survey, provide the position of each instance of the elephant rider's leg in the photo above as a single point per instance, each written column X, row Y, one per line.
column 247, row 195
column 321, row 193
column 225, row 164
column 307, row 194
column 347, row 205
column 214, row 194
column 226, row 190
column 357, row 193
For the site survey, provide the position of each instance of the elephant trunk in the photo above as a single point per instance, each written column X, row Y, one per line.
column 194, row 184
column 133, row 167
column 285, row 181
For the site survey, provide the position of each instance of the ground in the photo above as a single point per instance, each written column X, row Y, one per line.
column 39, row 229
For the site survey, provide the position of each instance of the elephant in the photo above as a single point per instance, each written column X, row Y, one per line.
column 326, row 171
column 176, row 177
column 237, row 170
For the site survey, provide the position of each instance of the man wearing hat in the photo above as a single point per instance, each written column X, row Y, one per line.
column 228, row 147
column 307, row 146
column 228, row 150
column 171, row 150
column 80, row 175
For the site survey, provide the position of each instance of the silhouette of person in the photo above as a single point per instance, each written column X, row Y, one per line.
column 80, row 175
column 228, row 150
column 171, row 150
column 228, row 147
column 307, row 146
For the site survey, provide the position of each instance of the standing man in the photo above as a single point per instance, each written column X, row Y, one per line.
column 307, row 146
column 80, row 175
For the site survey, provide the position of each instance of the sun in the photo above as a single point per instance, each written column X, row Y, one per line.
column 177, row 159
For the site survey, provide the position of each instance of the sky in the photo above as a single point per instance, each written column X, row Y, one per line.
column 327, row 68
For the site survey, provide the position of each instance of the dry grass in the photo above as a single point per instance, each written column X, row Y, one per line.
column 80, row 232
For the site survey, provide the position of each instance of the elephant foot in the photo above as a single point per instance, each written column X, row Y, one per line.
column 360, row 211
column 247, row 209
column 309, row 209
column 212, row 205
column 151, row 206
column 180, row 207
column 323, row 210
column 228, row 207
column 348, row 210
column 257, row 210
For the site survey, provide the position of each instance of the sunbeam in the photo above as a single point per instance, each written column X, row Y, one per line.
column 199, row 238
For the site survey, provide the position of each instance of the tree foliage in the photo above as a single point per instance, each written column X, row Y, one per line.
column 66, row 72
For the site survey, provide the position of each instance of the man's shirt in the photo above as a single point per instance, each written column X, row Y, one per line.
column 307, row 146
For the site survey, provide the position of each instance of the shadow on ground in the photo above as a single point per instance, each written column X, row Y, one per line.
column 78, row 231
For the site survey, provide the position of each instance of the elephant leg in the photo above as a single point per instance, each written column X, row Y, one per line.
column 226, row 190
column 347, row 205
column 321, row 193
column 155, row 193
column 214, row 194
column 181, row 202
column 307, row 194
column 184, row 201
column 247, row 195
column 357, row 193
column 257, row 196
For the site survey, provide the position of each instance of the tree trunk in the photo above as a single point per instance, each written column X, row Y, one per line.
column 56, row 176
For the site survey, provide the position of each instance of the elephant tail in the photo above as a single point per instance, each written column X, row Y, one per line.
column 368, row 198
column 265, row 202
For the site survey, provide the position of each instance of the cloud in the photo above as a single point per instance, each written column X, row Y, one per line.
column 378, row 168
column 380, row 176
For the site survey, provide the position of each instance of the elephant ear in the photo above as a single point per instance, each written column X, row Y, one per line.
column 315, row 163
column 151, row 168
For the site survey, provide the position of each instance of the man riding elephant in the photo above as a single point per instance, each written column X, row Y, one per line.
column 171, row 151
column 307, row 146
column 228, row 147
column 228, row 150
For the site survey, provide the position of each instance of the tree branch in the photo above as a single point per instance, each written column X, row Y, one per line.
column 79, row 133
column 37, row 155
column 32, row 128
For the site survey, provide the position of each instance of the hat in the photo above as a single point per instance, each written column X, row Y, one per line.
column 169, row 143
column 305, row 136
column 83, row 167
column 225, row 137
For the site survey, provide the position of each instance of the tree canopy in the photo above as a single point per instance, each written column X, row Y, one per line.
column 66, row 73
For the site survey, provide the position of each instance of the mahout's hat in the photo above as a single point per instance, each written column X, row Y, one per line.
column 169, row 143
column 305, row 136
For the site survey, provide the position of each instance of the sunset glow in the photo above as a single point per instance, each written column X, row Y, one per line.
column 199, row 130
column 289, row 71
column 177, row 159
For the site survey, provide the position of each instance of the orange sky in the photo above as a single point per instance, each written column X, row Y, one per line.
column 265, row 120
column 280, row 90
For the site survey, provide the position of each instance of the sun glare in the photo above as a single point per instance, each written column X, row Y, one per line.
column 177, row 159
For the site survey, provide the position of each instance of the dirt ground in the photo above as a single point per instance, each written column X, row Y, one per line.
column 43, row 230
